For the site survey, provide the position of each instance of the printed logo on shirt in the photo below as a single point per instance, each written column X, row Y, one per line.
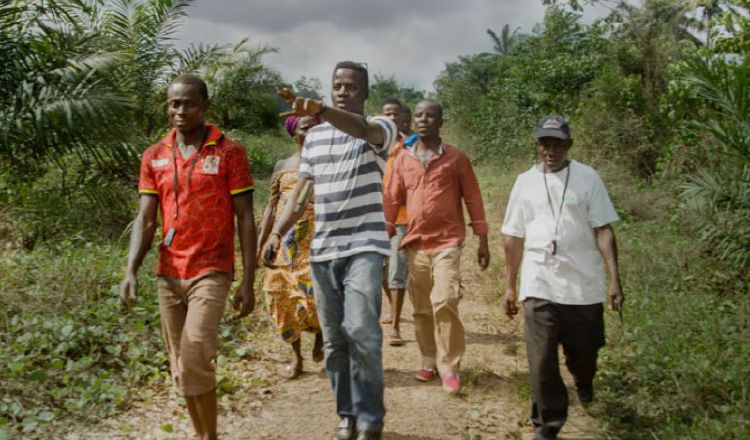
column 571, row 199
column 211, row 165
column 158, row 163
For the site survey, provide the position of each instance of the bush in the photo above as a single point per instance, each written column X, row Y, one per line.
column 68, row 347
column 680, row 368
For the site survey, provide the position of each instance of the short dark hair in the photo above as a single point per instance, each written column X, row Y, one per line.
column 437, row 104
column 193, row 80
column 392, row 101
column 359, row 67
column 405, row 109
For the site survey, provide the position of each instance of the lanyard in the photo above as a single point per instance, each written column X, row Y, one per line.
column 190, row 171
column 552, row 209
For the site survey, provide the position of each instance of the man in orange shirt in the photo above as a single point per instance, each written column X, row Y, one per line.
column 201, row 180
column 394, row 282
column 431, row 179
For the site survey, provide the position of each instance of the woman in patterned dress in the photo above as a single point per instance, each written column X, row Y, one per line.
column 287, row 282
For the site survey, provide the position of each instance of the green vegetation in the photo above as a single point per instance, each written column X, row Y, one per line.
column 659, row 97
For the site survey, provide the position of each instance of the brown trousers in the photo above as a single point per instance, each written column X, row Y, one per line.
column 191, row 311
column 435, row 290
column 580, row 330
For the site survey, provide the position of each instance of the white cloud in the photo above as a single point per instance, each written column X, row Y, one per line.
column 411, row 39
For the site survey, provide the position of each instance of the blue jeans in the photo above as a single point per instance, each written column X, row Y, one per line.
column 347, row 294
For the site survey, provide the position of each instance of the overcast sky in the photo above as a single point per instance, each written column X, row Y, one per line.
column 411, row 39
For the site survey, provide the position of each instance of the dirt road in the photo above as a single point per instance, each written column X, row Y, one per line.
column 261, row 405
column 257, row 404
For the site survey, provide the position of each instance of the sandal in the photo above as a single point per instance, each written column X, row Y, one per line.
column 394, row 339
column 292, row 372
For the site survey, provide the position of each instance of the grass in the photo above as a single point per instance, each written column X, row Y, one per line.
column 678, row 368
column 69, row 349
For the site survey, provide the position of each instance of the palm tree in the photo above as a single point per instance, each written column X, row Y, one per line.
column 505, row 41
column 55, row 97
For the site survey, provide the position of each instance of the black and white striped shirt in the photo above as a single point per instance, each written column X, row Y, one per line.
column 348, row 177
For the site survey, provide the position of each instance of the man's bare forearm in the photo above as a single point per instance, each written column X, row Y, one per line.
column 513, row 247
column 142, row 233
column 293, row 210
column 353, row 124
column 607, row 244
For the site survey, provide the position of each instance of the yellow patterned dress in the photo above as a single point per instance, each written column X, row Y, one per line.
column 288, row 287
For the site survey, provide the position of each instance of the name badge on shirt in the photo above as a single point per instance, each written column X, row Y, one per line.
column 158, row 163
column 211, row 165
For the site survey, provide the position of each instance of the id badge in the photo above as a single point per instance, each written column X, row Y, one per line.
column 170, row 236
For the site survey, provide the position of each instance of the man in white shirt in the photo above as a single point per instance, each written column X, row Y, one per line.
column 558, row 221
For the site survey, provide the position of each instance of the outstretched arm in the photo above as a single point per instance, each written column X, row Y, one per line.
column 141, row 236
column 607, row 244
column 350, row 123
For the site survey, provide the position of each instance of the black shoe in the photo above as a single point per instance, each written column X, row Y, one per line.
column 369, row 435
column 585, row 394
column 346, row 429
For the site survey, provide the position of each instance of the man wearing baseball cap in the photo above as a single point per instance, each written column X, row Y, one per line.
column 558, row 222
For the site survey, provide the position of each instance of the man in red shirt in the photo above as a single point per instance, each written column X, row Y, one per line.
column 201, row 180
column 431, row 178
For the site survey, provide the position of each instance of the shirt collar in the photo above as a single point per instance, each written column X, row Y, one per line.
column 213, row 138
column 413, row 150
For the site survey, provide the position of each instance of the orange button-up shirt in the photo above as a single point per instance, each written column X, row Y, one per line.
column 202, row 215
column 398, row 148
column 432, row 195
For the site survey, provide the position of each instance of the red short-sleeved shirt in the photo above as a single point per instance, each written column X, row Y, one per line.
column 203, row 219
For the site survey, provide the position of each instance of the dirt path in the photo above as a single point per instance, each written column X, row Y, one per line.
column 493, row 404
column 257, row 404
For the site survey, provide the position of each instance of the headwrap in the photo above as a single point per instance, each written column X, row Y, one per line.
column 291, row 123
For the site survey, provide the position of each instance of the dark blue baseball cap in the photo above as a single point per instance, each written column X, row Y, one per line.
column 554, row 126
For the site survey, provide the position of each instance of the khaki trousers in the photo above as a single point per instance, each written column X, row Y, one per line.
column 191, row 311
column 435, row 291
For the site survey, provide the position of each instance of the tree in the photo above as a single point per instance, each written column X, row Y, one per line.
column 384, row 87
column 309, row 87
column 506, row 40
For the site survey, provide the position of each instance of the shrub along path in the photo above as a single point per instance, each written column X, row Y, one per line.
column 256, row 403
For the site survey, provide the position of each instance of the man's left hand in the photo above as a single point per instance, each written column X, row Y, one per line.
column 483, row 255
column 616, row 298
column 300, row 106
column 244, row 300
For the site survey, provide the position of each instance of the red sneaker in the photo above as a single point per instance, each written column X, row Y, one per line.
column 425, row 374
column 451, row 383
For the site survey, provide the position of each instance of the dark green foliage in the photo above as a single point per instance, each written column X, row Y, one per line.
column 679, row 366
column 243, row 94
column 719, row 197
column 499, row 96
column 382, row 88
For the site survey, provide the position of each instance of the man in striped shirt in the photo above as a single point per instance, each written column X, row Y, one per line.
column 344, row 158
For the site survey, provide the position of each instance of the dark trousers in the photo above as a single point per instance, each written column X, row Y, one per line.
column 580, row 330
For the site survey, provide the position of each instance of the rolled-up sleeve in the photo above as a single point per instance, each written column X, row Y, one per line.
column 394, row 195
column 473, row 198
